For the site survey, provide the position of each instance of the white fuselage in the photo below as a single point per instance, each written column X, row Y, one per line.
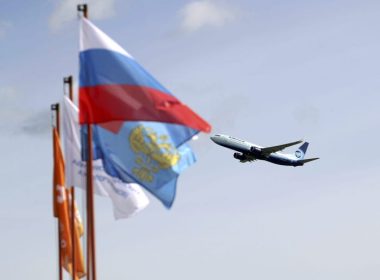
column 247, row 148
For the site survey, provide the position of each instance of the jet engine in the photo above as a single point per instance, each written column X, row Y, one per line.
column 239, row 156
column 255, row 150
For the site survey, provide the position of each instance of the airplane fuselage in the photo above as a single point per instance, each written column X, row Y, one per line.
column 250, row 151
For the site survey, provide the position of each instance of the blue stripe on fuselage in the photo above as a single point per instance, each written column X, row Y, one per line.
column 281, row 160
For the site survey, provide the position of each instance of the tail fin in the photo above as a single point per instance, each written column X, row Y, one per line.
column 300, row 153
column 307, row 160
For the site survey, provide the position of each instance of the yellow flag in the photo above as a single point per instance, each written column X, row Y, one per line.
column 61, row 205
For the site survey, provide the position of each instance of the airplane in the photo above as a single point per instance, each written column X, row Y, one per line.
column 248, row 152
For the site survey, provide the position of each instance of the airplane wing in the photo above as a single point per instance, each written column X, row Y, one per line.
column 274, row 149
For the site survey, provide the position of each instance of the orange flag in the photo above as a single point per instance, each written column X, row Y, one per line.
column 61, row 206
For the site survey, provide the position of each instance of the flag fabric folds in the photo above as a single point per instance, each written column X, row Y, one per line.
column 62, row 208
column 127, row 199
column 140, row 129
column 113, row 86
column 143, row 152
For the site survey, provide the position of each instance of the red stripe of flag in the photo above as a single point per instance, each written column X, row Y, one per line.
column 105, row 103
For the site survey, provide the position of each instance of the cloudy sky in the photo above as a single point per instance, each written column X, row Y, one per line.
column 265, row 71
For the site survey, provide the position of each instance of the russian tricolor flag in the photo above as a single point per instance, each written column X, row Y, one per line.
column 140, row 128
column 114, row 87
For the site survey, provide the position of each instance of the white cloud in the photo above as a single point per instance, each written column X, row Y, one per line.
column 4, row 27
column 198, row 14
column 66, row 11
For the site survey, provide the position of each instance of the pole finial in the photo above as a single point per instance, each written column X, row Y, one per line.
column 54, row 107
column 82, row 8
column 67, row 80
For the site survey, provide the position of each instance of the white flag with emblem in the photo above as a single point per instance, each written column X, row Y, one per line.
column 127, row 199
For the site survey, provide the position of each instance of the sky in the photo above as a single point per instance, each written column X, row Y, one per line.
column 268, row 72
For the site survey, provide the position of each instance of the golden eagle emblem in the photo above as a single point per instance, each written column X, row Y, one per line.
column 153, row 153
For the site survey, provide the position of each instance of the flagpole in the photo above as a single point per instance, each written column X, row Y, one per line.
column 90, row 206
column 60, row 271
column 91, row 252
column 55, row 108
column 69, row 81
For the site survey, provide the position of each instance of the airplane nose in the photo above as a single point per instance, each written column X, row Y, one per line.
column 216, row 139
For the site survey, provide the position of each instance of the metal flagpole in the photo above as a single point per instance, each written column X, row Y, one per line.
column 73, row 231
column 91, row 252
column 69, row 81
column 55, row 108
column 60, row 271
column 90, row 199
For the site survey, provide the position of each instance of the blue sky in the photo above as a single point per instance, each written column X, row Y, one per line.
column 265, row 71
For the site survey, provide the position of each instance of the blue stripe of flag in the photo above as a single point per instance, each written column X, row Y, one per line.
column 105, row 67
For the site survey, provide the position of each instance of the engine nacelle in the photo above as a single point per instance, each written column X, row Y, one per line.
column 255, row 150
column 239, row 156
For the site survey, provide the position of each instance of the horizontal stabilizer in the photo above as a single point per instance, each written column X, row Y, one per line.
column 307, row 160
